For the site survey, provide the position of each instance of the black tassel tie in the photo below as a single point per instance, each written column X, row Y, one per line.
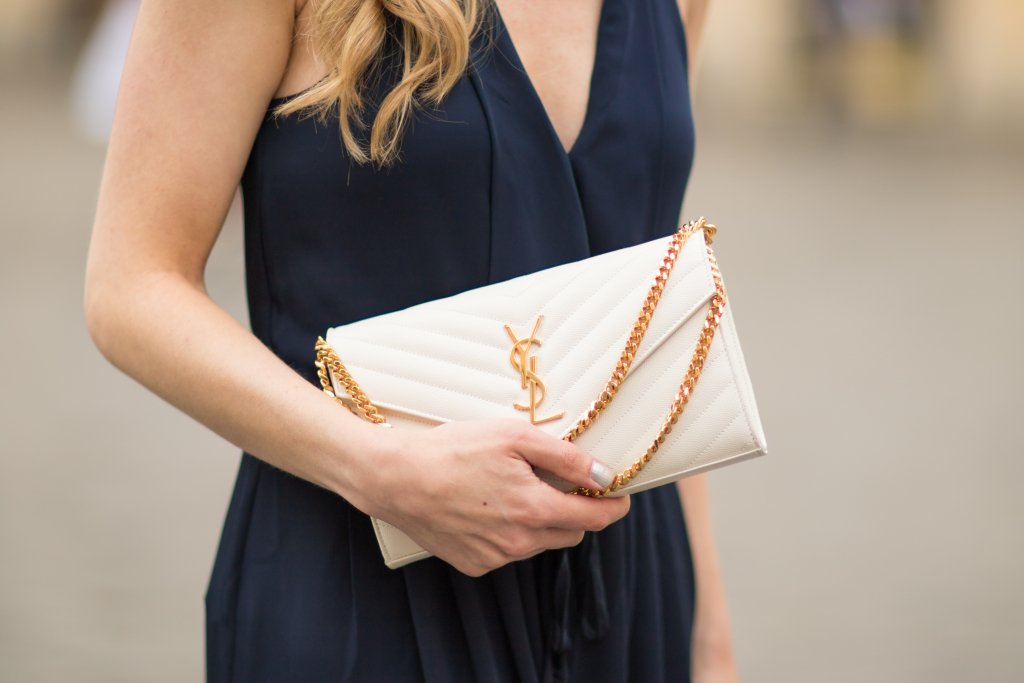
column 578, row 598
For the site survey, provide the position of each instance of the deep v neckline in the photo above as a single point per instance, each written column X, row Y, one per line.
column 603, row 75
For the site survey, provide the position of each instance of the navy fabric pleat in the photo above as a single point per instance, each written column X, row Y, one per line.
column 484, row 192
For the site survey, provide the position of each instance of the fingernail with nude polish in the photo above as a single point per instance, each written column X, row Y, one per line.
column 602, row 474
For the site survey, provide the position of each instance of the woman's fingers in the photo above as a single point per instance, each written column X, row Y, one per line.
column 518, row 545
column 489, row 554
column 558, row 538
column 552, row 508
column 566, row 511
column 520, row 516
column 561, row 458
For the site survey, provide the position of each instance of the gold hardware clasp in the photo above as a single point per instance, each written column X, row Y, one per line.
column 709, row 230
column 526, row 366
column 328, row 364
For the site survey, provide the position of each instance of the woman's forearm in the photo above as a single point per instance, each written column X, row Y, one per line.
column 464, row 491
column 196, row 85
column 712, row 637
column 165, row 332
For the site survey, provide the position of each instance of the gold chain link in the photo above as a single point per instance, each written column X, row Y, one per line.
column 700, row 354
column 639, row 328
column 327, row 361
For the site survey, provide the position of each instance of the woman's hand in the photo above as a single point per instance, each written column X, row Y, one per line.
column 467, row 492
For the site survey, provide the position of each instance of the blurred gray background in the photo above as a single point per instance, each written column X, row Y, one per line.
column 864, row 160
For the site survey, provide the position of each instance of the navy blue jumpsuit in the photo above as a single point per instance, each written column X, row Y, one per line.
column 484, row 192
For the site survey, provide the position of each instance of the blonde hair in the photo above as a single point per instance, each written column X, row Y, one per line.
column 351, row 35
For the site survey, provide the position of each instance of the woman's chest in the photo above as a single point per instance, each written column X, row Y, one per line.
column 557, row 45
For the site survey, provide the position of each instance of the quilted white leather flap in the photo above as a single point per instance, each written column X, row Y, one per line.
column 449, row 359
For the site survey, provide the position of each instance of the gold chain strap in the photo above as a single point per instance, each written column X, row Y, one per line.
column 327, row 361
column 640, row 327
column 700, row 354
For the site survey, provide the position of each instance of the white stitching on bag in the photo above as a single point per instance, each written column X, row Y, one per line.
column 658, row 417
column 626, row 335
column 454, row 391
column 715, row 440
column 432, row 358
column 383, row 546
column 562, row 391
column 744, row 408
column 456, row 311
column 708, row 280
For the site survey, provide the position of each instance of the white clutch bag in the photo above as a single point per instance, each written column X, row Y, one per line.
column 622, row 386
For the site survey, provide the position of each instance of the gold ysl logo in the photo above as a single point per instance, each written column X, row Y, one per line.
column 528, row 372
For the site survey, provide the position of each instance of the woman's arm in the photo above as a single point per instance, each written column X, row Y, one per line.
column 711, row 651
column 196, row 84
column 712, row 655
column 694, row 12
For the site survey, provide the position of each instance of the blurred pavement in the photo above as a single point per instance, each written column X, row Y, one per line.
column 111, row 501
column 878, row 282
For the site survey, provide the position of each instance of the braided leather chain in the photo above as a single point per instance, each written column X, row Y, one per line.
column 327, row 361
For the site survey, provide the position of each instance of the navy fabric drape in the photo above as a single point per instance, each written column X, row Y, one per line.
column 484, row 192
